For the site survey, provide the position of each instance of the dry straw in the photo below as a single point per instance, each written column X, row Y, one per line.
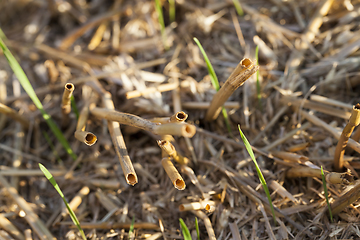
column 66, row 99
column 203, row 205
column 178, row 117
column 344, row 138
column 119, row 143
column 178, row 129
column 330, row 177
column 171, row 151
column 80, row 134
column 173, row 173
column 241, row 73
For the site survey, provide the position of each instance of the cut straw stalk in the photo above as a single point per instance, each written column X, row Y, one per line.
column 178, row 117
column 66, row 99
column 14, row 115
column 171, row 151
column 203, row 205
column 119, row 143
column 178, row 129
column 80, row 134
column 330, row 177
column 344, row 138
column 241, row 73
column 173, row 173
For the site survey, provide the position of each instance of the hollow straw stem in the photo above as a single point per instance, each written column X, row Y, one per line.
column 80, row 134
column 344, row 138
column 178, row 117
column 66, row 98
column 171, row 151
column 173, row 173
column 203, row 205
column 178, row 129
column 241, row 73
column 119, row 143
column 330, row 177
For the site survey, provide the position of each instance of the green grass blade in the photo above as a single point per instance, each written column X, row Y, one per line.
column 261, row 177
column 238, row 8
column 185, row 230
column 131, row 230
column 57, row 188
column 172, row 10
column 74, row 107
column 213, row 77
column 214, row 81
column 197, row 228
column 24, row 81
column 159, row 12
column 258, row 87
column 326, row 194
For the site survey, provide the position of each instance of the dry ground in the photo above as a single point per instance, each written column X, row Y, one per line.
column 309, row 66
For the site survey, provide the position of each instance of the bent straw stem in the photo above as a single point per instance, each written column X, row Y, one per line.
column 241, row 73
column 185, row 130
column 119, row 143
column 173, row 174
column 344, row 138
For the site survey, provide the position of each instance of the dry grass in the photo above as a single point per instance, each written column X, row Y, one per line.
column 309, row 73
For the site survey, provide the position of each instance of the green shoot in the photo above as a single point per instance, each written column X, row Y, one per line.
column 74, row 107
column 131, row 230
column 56, row 186
column 258, row 87
column 261, row 177
column 214, row 81
column 185, row 230
column 24, row 81
column 197, row 228
column 238, row 7
column 2, row 35
column 326, row 194
column 159, row 12
column 172, row 10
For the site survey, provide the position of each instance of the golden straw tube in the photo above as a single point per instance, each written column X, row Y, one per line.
column 330, row 177
column 86, row 137
column 171, row 151
column 66, row 98
column 178, row 117
column 344, row 138
column 185, row 130
column 80, row 134
column 119, row 143
column 173, row 174
column 14, row 115
column 203, row 205
column 241, row 73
